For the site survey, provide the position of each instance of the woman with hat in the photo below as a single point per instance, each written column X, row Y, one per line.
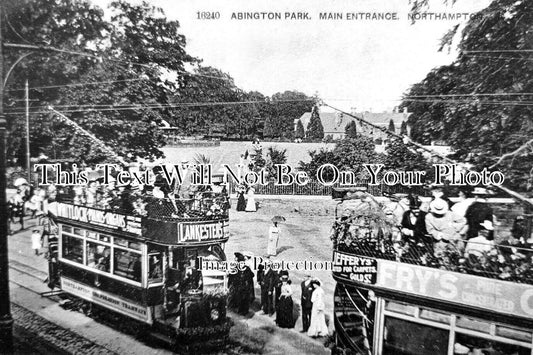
column 444, row 227
column 318, row 326
column 284, row 307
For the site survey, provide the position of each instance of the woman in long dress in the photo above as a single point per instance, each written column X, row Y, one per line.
column 250, row 203
column 284, row 307
column 273, row 238
column 318, row 327
column 241, row 202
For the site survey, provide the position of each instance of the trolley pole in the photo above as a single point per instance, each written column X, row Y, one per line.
column 6, row 321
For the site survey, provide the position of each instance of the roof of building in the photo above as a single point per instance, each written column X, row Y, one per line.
column 336, row 122
column 332, row 122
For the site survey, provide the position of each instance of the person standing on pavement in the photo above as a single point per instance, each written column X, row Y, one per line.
column 268, row 283
column 318, row 327
column 273, row 238
column 307, row 305
column 36, row 241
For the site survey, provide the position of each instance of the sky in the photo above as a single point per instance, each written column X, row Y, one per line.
column 361, row 64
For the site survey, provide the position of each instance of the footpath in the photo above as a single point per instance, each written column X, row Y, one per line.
column 42, row 326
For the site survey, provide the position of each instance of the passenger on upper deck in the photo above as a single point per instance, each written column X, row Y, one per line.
column 478, row 212
column 444, row 227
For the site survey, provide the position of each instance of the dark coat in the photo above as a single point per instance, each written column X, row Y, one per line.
column 419, row 227
column 475, row 214
column 307, row 292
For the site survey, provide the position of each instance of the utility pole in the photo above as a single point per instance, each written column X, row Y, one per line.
column 27, row 99
column 6, row 321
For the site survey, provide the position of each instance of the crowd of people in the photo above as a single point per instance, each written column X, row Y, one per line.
column 457, row 236
column 158, row 200
column 276, row 296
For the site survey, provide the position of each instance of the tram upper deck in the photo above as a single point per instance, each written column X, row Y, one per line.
column 160, row 220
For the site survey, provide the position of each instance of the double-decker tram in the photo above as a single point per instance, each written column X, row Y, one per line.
column 392, row 302
column 144, row 265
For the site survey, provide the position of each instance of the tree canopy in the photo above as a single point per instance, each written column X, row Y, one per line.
column 479, row 104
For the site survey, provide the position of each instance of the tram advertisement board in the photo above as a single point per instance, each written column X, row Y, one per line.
column 473, row 291
column 196, row 232
column 130, row 224
column 107, row 300
column 355, row 268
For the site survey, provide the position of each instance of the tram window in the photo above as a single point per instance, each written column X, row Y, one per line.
column 134, row 245
column 92, row 235
column 66, row 229
column 400, row 308
column 473, row 324
column 98, row 256
column 104, row 238
column 407, row 338
column 127, row 244
column 127, row 264
column 73, row 249
column 155, row 268
column 478, row 345
column 79, row 231
column 513, row 333
column 435, row 316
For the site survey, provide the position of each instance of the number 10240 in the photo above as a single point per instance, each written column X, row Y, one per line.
column 207, row 15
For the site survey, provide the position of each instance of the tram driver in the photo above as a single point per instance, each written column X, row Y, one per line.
column 192, row 277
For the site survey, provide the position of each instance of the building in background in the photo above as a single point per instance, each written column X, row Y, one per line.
column 335, row 123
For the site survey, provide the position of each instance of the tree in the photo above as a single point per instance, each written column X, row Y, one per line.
column 351, row 130
column 392, row 127
column 275, row 157
column 268, row 129
column 400, row 157
column 285, row 108
column 300, row 133
column 138, row 45
column 480, row 110
column 314, row 128
column 349, row 154
column 403, row 128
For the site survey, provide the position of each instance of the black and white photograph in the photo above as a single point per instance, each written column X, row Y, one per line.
column 345, row 177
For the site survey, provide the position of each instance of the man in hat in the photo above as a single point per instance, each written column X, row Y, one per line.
column 307, row 305
column 268, row 282
column 477, row 212
column 413, row 222
column 444, row 227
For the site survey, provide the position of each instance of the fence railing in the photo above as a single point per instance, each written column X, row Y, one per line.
column 314, row 188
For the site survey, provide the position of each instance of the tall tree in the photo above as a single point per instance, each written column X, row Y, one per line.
column 131, row 95
column 392, row 127
column 315, row 130
column 300, row 132
column 403, row 128
column 476, row 104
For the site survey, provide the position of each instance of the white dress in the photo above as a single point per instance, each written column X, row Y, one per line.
column 318, row 325
column 273, row 238
column 250, row 203
column 36, row 241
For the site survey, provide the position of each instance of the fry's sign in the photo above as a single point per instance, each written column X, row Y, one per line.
column 499, row 296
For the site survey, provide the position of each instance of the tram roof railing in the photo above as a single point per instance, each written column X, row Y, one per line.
column 504, row 261
column 210, row 207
